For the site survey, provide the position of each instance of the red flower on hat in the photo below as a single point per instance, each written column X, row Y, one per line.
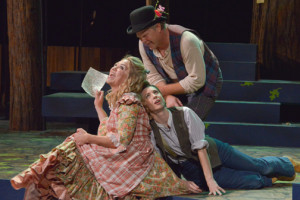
column 157, row 13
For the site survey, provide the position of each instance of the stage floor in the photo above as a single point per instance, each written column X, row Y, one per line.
column 20, row 149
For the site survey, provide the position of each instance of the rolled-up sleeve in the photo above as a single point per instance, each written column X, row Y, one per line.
column 196, row 129
column 192, row 51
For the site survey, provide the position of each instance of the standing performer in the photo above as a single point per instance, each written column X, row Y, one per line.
column 181, row 65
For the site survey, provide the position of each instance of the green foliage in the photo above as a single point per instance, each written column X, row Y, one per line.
column 274, row 93
column 247, row 84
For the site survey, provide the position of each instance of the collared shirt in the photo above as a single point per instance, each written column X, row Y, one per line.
column 196, row 133
column 192, row 51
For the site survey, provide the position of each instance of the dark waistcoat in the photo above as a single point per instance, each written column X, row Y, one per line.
column 211, row 62
column 184, row 141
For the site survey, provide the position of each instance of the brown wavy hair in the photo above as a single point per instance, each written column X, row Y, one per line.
column 134, row 83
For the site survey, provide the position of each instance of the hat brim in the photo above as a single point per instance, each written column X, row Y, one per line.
column 137, row 28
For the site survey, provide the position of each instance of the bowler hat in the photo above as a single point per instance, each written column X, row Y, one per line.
column 142, row 18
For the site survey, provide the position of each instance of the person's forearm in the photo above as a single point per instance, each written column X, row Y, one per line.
column 101, row 141
column 205, row 163
column 101, row 113
column 170, row 89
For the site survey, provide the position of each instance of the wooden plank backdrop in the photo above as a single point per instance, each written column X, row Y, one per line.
column 276, row 30
column 62, row 58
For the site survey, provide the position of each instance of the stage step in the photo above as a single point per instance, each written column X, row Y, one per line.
column 7, row 192
column 65, row 104
column 244, row 111
column 243, row 52
column 82, row 105
column 69, row 81
column 237, row 61
column 284, row 135
column 263, row 90
column 235, row 70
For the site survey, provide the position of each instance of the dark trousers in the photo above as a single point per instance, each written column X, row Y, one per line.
column 238, row 170
column 200, row 103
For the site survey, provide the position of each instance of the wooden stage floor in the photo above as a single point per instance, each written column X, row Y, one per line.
column 20, row 149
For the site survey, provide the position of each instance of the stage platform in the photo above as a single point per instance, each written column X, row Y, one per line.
column 20, row 149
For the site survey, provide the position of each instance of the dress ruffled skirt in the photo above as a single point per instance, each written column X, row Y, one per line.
column 63, row 174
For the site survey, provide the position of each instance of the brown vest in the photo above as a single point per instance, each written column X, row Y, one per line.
column 184, row 141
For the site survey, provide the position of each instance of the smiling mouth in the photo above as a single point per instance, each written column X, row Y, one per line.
column 157, row 101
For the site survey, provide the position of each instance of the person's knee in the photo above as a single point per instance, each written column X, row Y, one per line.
column 266, row 170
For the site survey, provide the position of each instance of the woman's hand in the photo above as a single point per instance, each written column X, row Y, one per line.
column 81, row 137
column 214, row 188
column 99, row 98
column 192, row 187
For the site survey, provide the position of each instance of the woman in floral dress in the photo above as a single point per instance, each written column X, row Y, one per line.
column 117, row 162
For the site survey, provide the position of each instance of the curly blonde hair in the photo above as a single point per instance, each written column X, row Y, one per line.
column 134, row 83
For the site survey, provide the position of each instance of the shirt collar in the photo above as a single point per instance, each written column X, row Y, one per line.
column 170, row 121
column 157, row 53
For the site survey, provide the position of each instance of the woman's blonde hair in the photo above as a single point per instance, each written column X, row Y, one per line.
column 134, row 83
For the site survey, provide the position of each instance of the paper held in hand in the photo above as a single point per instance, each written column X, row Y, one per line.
column 93, row 81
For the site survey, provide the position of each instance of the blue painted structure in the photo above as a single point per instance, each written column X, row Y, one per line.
column 245, row 111
column 262, row 90
column 296, row 191
column 242, row 52
column 235, row 70
column 7, row 192
column 256, row 134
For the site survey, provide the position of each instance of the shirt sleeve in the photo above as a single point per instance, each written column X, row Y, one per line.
column 102, row 127
column 126, row 123
column 192, row 51
column 153, row 77
column 196, row 129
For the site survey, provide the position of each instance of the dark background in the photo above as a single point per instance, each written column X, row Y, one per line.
column 3, row 26
column 71, row 22
column 215, row 20
column 98, row 23
column 90, row 23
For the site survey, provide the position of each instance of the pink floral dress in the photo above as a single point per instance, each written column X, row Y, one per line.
column 90, row 171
